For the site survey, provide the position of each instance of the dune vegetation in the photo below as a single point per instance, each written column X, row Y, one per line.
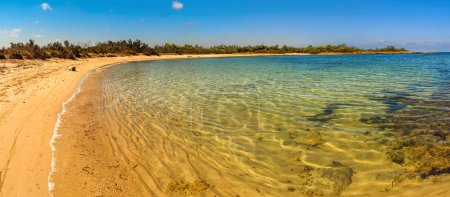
column 67, row 50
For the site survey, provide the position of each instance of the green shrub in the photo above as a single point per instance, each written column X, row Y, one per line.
column 67, row 50
column 16, row 55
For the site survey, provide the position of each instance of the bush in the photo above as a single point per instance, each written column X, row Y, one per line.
column 66, row 50
column 16, row 55
column 41, row 55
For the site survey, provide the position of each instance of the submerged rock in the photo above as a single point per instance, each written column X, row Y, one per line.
column 326, row 115
column 428, row 159
column 328, row 181
column 396, row 157
column 308, row 138
column 418, row 134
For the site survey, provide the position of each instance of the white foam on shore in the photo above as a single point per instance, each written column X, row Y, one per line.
column 51, row 184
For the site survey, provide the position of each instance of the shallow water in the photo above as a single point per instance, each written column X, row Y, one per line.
column 276, row 126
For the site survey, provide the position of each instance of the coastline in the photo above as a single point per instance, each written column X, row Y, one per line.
column 30, row 99
column 31, row 95
column 85, row 164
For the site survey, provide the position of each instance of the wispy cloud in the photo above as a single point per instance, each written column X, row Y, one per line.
column 176, row 5
column 13, row 33
column 36, row 35
column 46, row 7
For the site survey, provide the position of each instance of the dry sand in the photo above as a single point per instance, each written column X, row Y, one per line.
column 31, row 94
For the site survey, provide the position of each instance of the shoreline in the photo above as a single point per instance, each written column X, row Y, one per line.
column 32, row 95
column 55, row 135
column 85, row 164
column 91, row 164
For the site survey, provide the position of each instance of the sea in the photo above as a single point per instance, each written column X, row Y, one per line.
column 275, row 125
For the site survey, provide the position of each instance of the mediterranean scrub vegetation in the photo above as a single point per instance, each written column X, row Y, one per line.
column 67, row 50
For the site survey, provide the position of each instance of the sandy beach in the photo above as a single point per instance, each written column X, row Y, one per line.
column 234, row 98
column 31, row 95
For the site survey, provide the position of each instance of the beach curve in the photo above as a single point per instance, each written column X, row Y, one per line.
column 30, row 99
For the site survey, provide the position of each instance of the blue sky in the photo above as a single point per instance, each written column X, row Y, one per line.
column 418, row 25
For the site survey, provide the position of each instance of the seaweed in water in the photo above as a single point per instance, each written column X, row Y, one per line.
column 420, row 133
column 327, row 113
column 305, row 138
column 184, row 188
column 331, row 180
column 395, row 100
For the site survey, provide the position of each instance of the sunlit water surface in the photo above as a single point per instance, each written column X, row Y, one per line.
column 276, row 126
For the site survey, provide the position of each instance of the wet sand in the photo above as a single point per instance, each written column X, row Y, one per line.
column 85, row 165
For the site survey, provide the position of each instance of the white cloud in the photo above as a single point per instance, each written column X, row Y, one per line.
column 13, row 33
column 36, row 22
column 176, row 5
column 46, row 6
column 36, row 35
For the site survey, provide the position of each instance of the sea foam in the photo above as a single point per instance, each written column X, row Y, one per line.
column 51, row 184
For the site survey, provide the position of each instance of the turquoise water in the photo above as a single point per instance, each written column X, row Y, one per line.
column 276, row 126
